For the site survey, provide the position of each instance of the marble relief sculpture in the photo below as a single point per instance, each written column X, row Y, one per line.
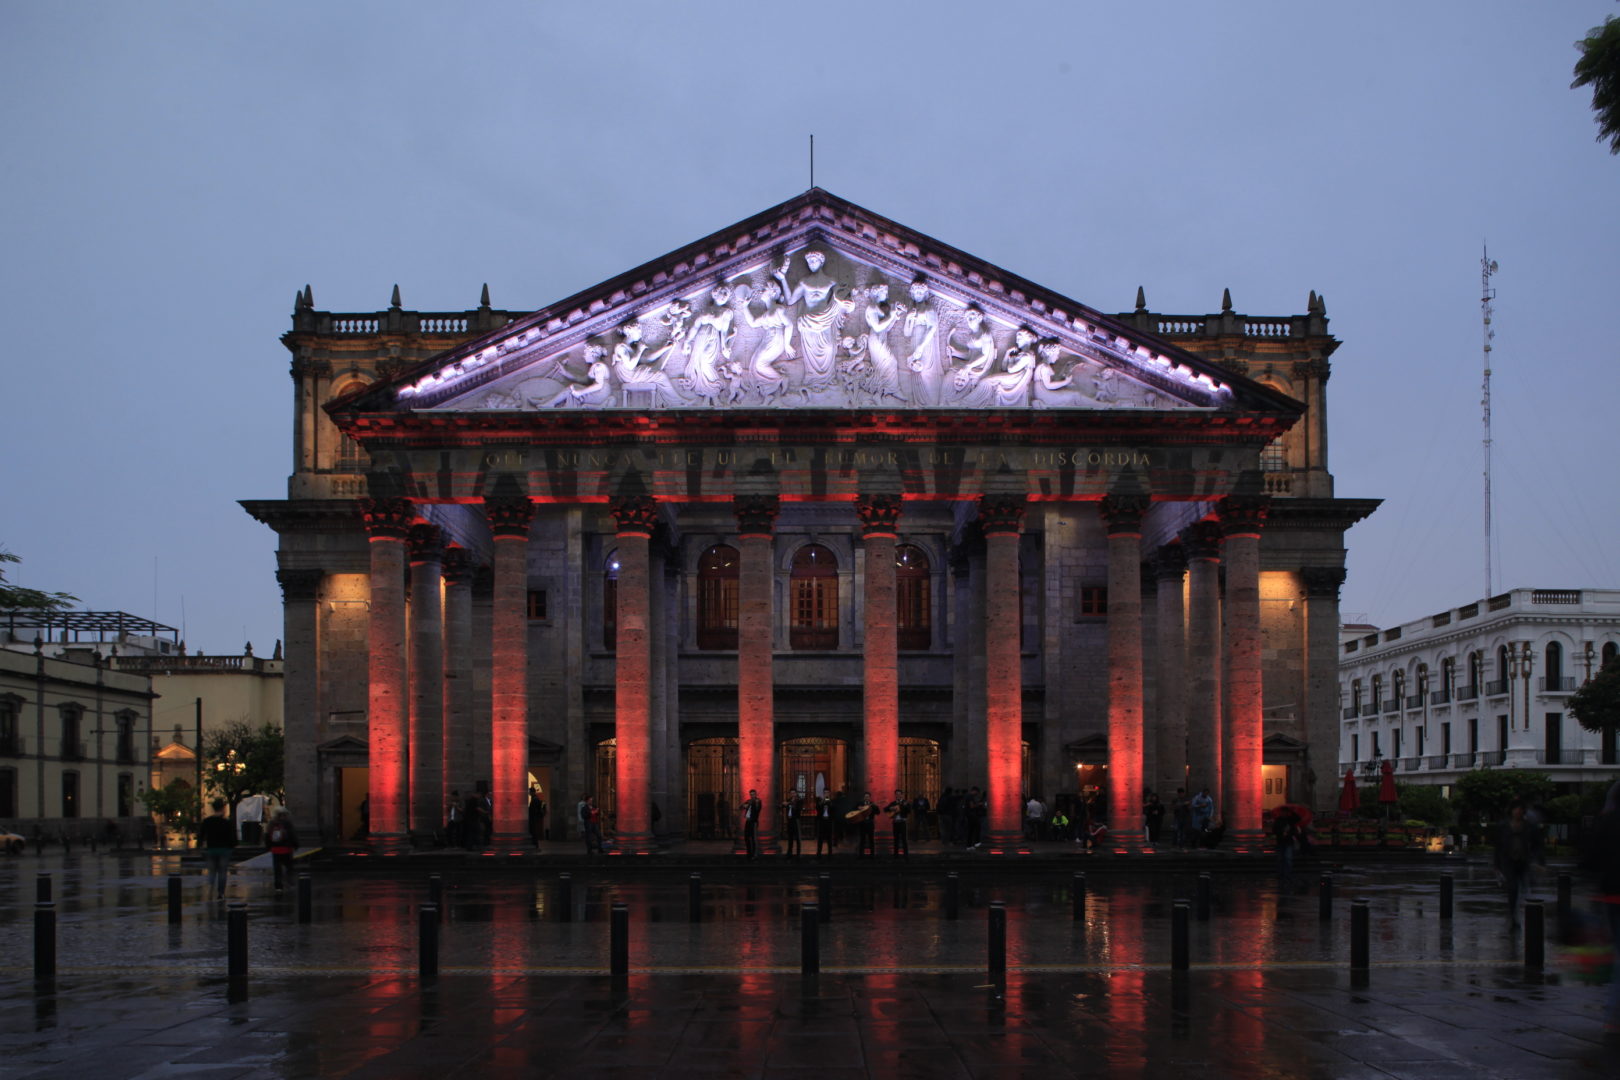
column 709, row 371
column 920, row 328
column 1010, row 386
column 775, row 344
column 632, row 373
column 598, row 385
column 1050, row 389
column 826, row 305
column 884, row 380
column 978, row 353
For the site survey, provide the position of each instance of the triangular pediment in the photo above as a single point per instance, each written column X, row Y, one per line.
column 815, row 304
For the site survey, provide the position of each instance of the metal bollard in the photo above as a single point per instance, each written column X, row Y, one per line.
column 998, row 938
column 1448, row 887
column 1324, row 899
column 619, row 944
column 565, row 898
column 44, row 940
column 824, row 897
column 694, row 898
column 42, row 888
column 436, row 893
column 1204, row 886
column 174, row 899
column 236, row 931
column 953, row 895
column 809, row 940
column 1179, row 951
column 1360, row 939
column 1078, row 892
column 1564, row 899
column 1535, row 935
column 427, row 941
column 306, row 899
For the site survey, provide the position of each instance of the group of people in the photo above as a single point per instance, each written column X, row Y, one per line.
column 835, row 817
column 216, row 835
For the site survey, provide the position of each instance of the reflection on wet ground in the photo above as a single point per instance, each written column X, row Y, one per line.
column 523, row 989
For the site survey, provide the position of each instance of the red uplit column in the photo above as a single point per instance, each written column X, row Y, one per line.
column 756, row 686
column 458, row 573
column 1123, row 516
column 1000, row 518
column 1241, row 519
column 1170, row 723
column 509, row 520
column 632, row 696
column 881, row 695
column 388, row 523
column 1203, row 544
column 427, row 679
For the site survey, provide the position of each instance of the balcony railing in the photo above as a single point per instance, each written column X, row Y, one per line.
column 1349, row 712
column 1462, row 761
column 1440, row 697
column 1560, row 757
column 1438, row 761
column 1411, row 764
column 1392, row 705
column 1415, row 701
column 1468, row 693
column 1369, row 710
column 1557, row 684
column 72, row 751
column 1492, row 757
column 1496, row 688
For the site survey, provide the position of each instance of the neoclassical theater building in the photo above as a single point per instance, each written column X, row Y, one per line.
column 814, row 503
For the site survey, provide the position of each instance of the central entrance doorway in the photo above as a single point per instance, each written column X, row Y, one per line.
column 814, row 766
column 711, row 788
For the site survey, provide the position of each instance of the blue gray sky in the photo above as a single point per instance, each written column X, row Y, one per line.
column 173, row 172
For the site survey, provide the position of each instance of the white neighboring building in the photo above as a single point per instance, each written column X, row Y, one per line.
column 1481, row 685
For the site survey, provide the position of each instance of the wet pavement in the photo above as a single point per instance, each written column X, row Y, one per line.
column 524, row 990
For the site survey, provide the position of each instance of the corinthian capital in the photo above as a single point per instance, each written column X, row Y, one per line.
column 635, row 515
column 1001, row 514
column 880, row 514
column 756, row 514
column 388, row 519
column 509, row 517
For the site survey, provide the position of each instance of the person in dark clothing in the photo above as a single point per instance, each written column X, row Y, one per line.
column 537, row 816
column 472, row 826
column 840, row 817
column 1153, row 817
column 824, row 826
column 217, row 837
column 866, row 823
column 1604, row 857
column 973, row 817
column 282, row 840
column 899, row 809
column 750, row 818
column 1518, row 847
column 792, row 842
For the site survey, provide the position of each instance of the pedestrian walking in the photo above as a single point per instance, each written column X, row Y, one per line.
column 1203, row 810
column 1518, row 847
column 590, row 825
column 1153, row 816
column 217, row 837
column 1181, row 820
column 282, row 840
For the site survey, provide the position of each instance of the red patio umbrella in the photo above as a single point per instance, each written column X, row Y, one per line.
column 1349, row 797
column 1386, row 786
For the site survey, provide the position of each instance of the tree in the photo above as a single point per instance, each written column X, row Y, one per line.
column 1599, row 67
column 17, row 598
column 1490, row 792
column 241, row 760
column 1596, row 705
column 176, row 804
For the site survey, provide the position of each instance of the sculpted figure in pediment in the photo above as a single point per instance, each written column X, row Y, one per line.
column 826, row 304
column 709, row 371
column 884, row 380
column 1010, row 386
column 977, row 354
column 598, row 384
column 774, row 345
column 1052, row 390
column 920, row 329
column 634, row 370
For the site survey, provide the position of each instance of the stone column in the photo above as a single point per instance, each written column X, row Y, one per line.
column 1319, row 788
column 1122, row 514
column 756, row 685
column 1202, row 542
column 458, row 675
column 1170, row 723
column 632, row 713
column 881, row 695
column 388, row 523
column 427, row 679
column 301, row 707
column 1001, row 518
column 1243, row 752
column 509, row 520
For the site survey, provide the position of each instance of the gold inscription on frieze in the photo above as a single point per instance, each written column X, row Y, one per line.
column 836, row 459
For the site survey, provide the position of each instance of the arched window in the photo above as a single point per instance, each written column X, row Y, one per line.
column 1554, row 667
column 1355, row 697
column 1274, row 456
column 610, row 602
column 1448, row 676
column 1503, row 656
column 1422, row 680
column 1377, row 692
column 814, row 588
column 912, row 598
column 351, row 456
column 1398, row 683
column 717, row 598
column 1610, row 651
column 1476, row 672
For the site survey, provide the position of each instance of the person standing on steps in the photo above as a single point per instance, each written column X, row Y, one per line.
column 792, row 842
column 750, row 815
column 824, row 827
column 865, row 817
column 217, row 837
column 282, row 840
column 899, row 810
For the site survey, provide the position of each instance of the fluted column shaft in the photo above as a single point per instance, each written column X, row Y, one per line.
column 756, row 652
column 632, row 694
column 880, row 514
column 1001, row 518
column 427, row 679
column 1243, row 754
column 1122, row 515
column 1202, row 542
column 388, row 523
column 509, row 676
column 1170, row 726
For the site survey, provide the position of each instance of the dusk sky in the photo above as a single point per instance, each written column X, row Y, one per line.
column 173, row 172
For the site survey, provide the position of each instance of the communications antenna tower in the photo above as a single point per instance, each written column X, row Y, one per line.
column 1487, row 268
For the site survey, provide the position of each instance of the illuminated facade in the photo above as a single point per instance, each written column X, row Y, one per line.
column 816, row 501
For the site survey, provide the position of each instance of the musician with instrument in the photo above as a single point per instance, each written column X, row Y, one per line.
column 899, row 810
column 864, row 819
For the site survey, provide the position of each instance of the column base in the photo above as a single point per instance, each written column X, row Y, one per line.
column 1005, row 843
column 633, row 844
